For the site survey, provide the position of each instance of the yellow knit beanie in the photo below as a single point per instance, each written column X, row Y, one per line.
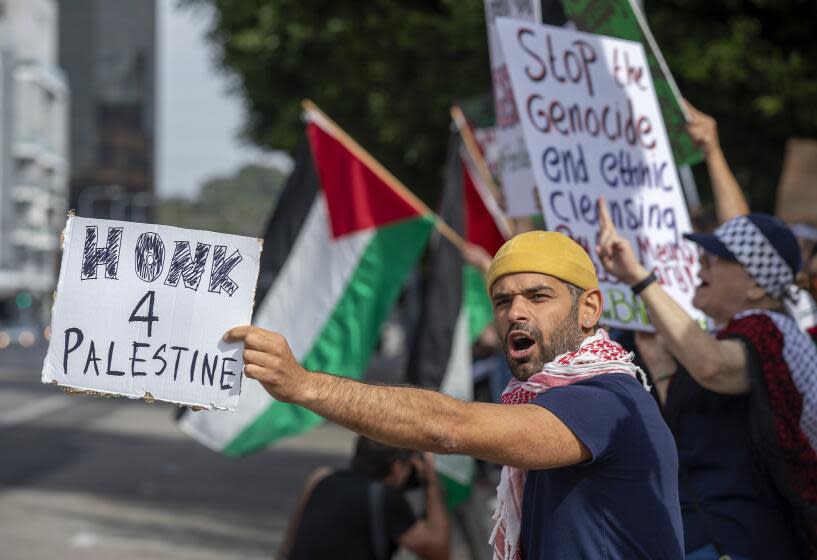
column 545, row 252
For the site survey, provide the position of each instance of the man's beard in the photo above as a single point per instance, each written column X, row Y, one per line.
column 565, row 337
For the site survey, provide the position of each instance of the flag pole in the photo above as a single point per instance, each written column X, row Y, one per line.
column 470, row 143
column 384, row 174
column 472, row 148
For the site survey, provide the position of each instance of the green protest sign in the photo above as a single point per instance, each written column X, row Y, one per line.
column 620, row 19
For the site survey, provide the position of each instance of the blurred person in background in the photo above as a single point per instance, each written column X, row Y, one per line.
column 810, row 282
column 362, row 512
column 806, row 236
column 806, row 308
column 742, row 404
column 730, row 202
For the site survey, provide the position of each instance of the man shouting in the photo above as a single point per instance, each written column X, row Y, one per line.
column 591, row 468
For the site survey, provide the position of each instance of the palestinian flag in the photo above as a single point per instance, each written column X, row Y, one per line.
column 340, row 243
column 456, row 307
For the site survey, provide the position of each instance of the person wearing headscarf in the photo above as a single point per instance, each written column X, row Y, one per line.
column 591, row 467
column 809, row 275
column 742, row 402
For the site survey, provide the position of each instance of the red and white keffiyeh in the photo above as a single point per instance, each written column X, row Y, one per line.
column 597, row 355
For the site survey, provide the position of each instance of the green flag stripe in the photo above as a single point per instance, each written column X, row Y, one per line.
column 476, row 301
column 278, row 420
column 455, row 492
column 351, row 333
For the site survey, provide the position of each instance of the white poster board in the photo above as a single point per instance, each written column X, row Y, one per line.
column 515, row 173
column 593, row 128
column 141, row 309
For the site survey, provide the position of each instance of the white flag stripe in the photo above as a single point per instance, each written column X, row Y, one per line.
column 298, row 305
column 458, row 383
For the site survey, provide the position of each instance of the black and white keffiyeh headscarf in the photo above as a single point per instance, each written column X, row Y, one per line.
column 751, row 248
column 768, row 251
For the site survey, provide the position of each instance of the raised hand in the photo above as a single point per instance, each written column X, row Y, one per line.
column 703, row 130
column 269, row 360
column 615, row 253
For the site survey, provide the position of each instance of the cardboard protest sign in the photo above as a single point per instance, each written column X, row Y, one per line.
column 140, row 312
column 623, row 19
column 515, row 173
column 486, row 139
column 593, row 128
column 797, row 191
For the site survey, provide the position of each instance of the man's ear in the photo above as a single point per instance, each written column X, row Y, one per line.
column 591, row 305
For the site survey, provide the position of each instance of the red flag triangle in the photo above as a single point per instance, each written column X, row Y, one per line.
column 358, row 197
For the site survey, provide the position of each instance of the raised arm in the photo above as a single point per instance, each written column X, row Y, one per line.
column 717, row 365
column 727, row 194
column 524, row 435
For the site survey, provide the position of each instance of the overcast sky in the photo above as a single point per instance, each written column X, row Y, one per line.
column 198, row 120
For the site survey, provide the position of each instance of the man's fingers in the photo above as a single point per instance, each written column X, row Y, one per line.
column 605, row 237
column 237, row 334
column 255, row 338
column 263, row 359
column 607, row 231
column 253, row 371
column 620, row 246
column 605, row 223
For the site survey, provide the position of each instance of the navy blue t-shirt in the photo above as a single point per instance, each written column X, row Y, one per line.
column 622, row 503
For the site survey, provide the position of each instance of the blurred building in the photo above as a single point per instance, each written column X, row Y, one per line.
column 107, row 48
column 33, row 157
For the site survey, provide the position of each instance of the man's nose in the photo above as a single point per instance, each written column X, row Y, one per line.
column 519, row 309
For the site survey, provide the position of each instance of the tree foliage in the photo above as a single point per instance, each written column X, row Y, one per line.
column 388, row 71
column 240, row 204
column 752, row 64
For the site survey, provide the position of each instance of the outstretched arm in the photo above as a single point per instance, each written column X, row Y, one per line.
column 524, row 435
column 729, row 199
column 717, row 365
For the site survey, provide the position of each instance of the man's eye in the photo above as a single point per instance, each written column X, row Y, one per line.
column 539, row 297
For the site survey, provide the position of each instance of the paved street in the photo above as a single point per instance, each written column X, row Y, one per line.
column 93, row 478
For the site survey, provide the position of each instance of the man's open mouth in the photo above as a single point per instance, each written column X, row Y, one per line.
column 520, row 345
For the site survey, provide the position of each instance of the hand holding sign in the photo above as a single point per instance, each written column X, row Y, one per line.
column 616, row 253
column 269, row 360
